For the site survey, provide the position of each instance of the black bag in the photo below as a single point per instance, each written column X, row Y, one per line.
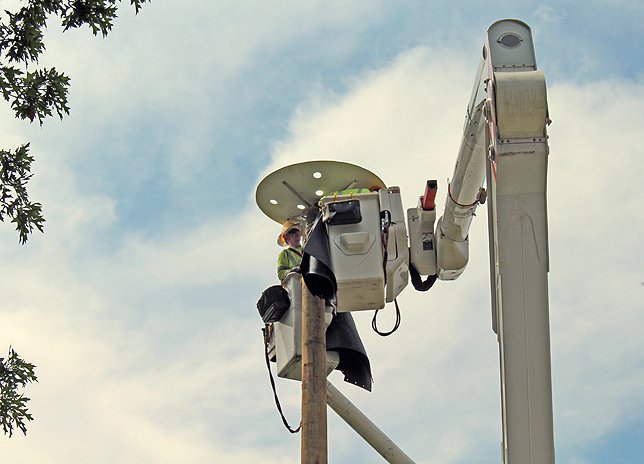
column 342, row 212
column 273, row 303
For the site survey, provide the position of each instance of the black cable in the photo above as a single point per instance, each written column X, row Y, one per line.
column 374, row 324
column 270, row 375
column 417, row 280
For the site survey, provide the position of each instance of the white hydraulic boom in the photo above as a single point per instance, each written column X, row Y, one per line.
column 504, row 137
column 517, row 116
column 505, row 134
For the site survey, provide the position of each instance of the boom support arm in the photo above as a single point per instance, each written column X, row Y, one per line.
column 463, row 195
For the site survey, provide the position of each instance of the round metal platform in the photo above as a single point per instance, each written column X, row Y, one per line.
column 289, row 191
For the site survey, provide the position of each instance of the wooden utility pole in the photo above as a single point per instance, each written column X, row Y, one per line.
column 314, row 393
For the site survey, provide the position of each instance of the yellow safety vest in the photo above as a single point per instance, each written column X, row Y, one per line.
column 287, row 260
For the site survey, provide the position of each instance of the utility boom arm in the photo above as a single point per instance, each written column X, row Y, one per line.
column 517, row 116
column 463, row 196
column 505, row 137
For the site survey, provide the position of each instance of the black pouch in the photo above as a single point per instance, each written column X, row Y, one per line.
column 342, row 212
column 273, row 303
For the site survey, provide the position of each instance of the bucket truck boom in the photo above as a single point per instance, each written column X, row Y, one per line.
column 505, row 136
column 504, row 141
column 517, row 116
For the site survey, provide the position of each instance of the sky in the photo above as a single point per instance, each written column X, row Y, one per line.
column 137, row 304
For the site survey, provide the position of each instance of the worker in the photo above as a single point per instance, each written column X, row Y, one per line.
column 290, row 258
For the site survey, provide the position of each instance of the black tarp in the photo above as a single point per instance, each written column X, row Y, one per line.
column 342, row 336
column 316, row 266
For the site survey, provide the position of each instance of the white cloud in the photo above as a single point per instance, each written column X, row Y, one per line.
column 173, row 66
column 549, row 15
